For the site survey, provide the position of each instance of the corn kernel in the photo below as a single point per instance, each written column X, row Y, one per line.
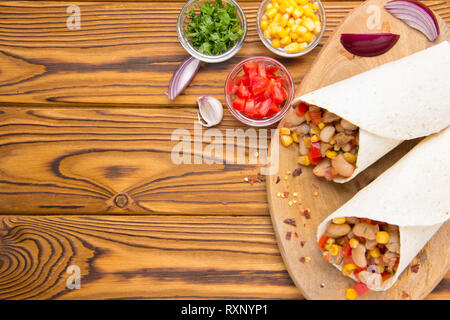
column 308, row 23
column 286, row 140
column 309, row 11
column 285, row 41
column 315, row 6
column 295, row 46
column 315, row 138
column 307, row 142
column 277, row 18
column 291, row 22
column 272, row 28
column 382, row 237
column 294, row 136
column 298, row 20
column 301, row 30
column 285, row 131
column 350, row 157
column 334, row 250
column 264, row 24
column 267, row 34
column 340, row 220
column 269, row 6
column 314, row 130
column 289, row 9
column 282, row 33
column 302, row 2
column 298, row 12
column 332, row 142
column 276, row 43
column 304, row 161
column 353, row 243
column 284, row 20
column 329, row 243
column 348, row 268
column 336, row 147
column 375, row 252
column 330, row 154
column 272, row 12
column 307, row 36
column 351, row 294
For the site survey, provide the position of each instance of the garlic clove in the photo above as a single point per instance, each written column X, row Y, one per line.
column 210, row 110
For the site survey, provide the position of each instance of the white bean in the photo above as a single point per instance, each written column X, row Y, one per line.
column 348, row 125
column 337, row 230
column 327, row 133
column 321, row 167
column 366, row 230
column 359, row 256
column 302, row 149
column 341, row 165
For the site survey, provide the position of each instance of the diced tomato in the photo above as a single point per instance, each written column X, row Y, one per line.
column 347, row 251
column 361, row 288
column 271, row 69
column 258, row 85
column 301, row 109
column 274, row 107
column 262, row 70
column 252, row 73
column 277, row 95
column 242, row 79
column 348, row 259
column 243, row 91
column 249, row 66
column 315, row 150
column 322, row 241
column 385, row 275
column 249, row 109
column 264, row 108
column 239, row 104
column 316, row 116
column 284, row 91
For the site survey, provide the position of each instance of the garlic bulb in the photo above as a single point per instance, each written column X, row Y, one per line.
column 210, row 110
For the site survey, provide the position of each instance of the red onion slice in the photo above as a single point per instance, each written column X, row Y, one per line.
column 416, row 15
column 182, row 76
column 368, row 44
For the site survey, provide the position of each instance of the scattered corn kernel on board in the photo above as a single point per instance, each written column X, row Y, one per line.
column 290, row 195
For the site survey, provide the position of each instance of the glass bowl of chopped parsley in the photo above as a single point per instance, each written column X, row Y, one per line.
column 212, row 30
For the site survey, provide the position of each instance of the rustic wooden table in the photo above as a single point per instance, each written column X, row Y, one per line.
column 86, row 177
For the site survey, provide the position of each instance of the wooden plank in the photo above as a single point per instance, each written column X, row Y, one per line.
column 123, row 55
column 141, row 257
column 81, row 160
column 162, row 257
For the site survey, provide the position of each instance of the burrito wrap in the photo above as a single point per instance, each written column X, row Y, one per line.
column 400, row 100
column 412, row 194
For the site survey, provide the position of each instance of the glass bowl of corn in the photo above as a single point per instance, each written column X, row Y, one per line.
column 291, row 28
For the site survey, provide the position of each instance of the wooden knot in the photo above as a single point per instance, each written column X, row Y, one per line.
column 121, row 200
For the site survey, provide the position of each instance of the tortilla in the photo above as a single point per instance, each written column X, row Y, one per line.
column 412, row 194
column 404, row 99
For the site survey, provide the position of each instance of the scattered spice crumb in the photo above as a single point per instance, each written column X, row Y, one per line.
column 415, row 268
column 286, row 194
column 286, row 177
column 256, row 179
column 294, row 201
column 290, row 203
column 279, row 194
column 302, row 260
column 322, row 285
column 315, row 193
column 405, row 295
column 307, row 259
column 288, row 235
column 296, row 234
column 306, row 213
column 302, row 244
column 278, row 179
column 290, row 221
column 297, row 172
column 315, row 186
column 295, row 194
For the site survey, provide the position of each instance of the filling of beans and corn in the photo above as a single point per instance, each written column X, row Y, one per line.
column 324, row 139
column 367, row 249
column 291, row 25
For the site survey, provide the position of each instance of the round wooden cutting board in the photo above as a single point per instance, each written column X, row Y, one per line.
column 315, row 278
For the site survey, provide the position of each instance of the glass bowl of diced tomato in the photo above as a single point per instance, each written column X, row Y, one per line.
column 259, row 91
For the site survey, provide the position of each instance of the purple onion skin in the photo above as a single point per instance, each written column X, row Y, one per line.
column 174, row 89
column 368, row 44
column 427, row 10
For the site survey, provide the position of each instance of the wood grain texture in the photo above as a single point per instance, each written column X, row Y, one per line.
column 81, row 160
column 332, row 65
column 123, row 55
column 142, row 257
